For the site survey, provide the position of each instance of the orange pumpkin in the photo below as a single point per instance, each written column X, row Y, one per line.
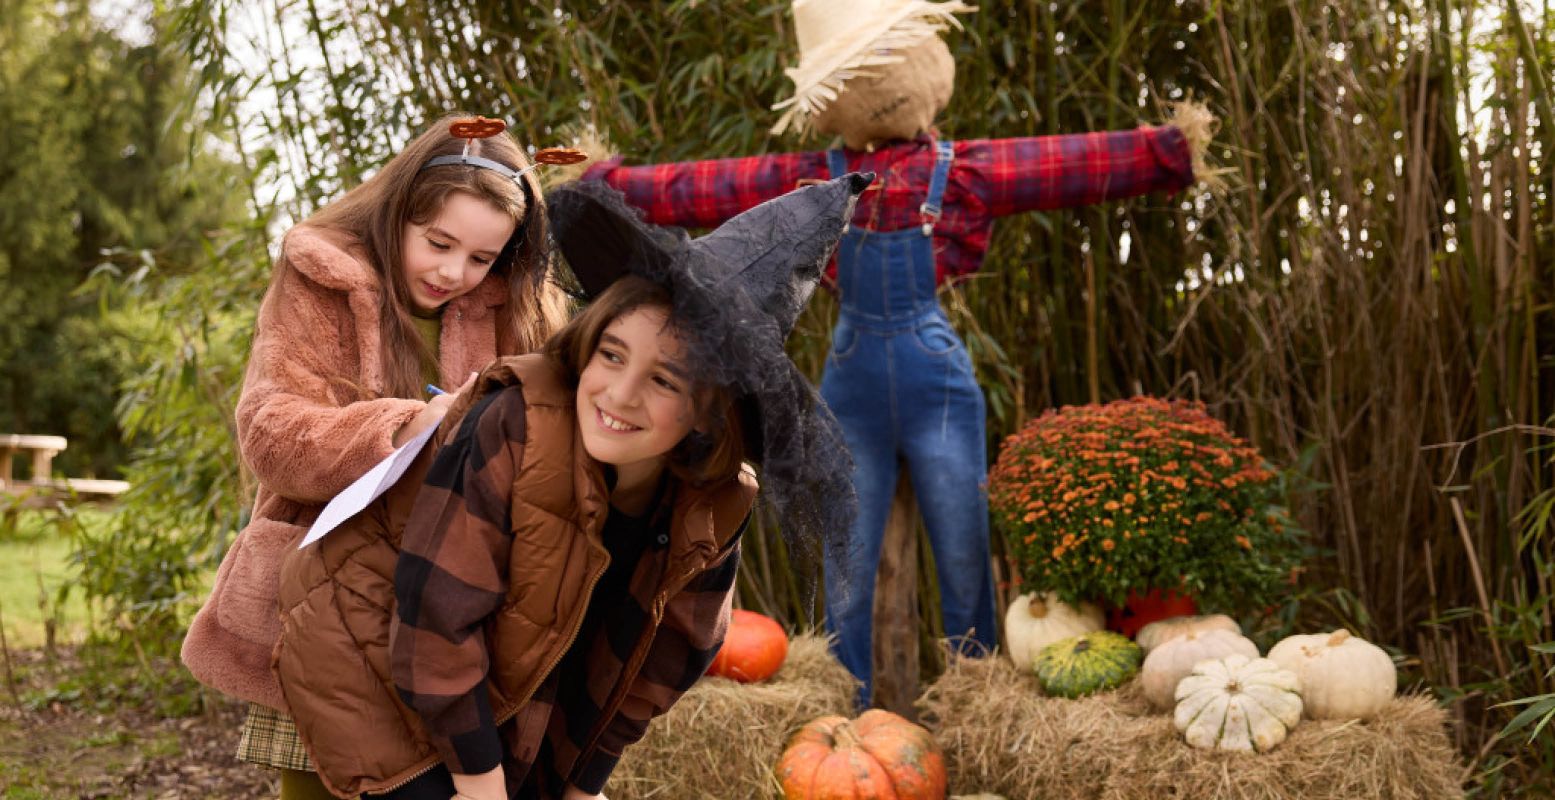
column 879, row 755
column 753, row 649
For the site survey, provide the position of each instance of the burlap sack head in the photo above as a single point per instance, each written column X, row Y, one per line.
column 893, row 101
column 845, row 46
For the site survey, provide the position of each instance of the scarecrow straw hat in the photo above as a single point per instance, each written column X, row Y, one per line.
column 842, row 40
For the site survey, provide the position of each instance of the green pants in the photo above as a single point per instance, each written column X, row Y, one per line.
column 298, row 785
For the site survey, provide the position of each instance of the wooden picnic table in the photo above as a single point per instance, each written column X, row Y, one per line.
column 42, row 450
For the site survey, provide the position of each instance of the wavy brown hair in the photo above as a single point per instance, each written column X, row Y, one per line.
column 714, row 450
column 376, row 212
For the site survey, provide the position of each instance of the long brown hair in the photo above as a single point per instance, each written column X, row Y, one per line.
column 714, row 450
column 376, row 212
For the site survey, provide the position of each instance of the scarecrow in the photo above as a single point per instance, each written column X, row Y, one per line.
column 898, row 378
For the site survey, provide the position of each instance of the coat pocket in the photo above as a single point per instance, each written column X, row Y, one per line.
column 247, row 600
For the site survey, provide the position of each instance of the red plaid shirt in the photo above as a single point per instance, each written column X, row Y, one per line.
column 989, row 178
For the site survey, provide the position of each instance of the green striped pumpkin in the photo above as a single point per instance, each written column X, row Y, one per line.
column 1082, row 665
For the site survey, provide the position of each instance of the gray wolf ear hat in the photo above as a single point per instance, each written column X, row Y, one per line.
column 737, row 294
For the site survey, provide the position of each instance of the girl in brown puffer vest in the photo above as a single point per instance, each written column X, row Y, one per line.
column 560, row 571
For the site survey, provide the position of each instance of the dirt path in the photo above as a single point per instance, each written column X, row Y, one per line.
column 55, row 744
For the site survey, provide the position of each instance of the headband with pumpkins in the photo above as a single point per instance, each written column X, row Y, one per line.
column 471, row 128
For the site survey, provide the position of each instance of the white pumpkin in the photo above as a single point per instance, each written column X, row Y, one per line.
column 1035, row 621
column 1237, row 703
column 1157, row 633
column 1341, row 676
column 1174, row 660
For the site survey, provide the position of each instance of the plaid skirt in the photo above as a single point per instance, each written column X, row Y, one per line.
column 270, row 739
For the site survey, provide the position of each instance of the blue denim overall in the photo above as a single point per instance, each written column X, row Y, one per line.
column 901, row 384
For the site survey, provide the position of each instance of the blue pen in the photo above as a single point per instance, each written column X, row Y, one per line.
column 434, row 391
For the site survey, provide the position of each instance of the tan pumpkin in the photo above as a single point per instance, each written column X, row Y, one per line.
column 1237, row 703
column 877, row 755
column 1157, row 633
column 1035, row 621
column 1174, row 660
column 1341, row 676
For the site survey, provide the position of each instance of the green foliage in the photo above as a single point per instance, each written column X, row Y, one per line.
column 1096, row 501
column 1540, row 710
column 94, row 164
column 189, row 336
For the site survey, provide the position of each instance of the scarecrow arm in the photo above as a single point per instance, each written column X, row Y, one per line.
column 705, row 194
column 693, row 628
column 1046, row 172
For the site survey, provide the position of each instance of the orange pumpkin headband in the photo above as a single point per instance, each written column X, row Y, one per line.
column 471, row 128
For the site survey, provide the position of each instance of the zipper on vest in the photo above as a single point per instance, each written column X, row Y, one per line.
column 424, row 770
column 560, row 654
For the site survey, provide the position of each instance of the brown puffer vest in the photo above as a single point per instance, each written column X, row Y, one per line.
column 337, row 596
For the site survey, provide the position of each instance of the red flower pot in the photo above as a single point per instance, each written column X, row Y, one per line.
column 1142, row 609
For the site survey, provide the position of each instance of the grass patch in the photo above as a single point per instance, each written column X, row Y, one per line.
column 36, row 576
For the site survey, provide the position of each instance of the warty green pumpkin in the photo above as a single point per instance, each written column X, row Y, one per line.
column 1089, row 663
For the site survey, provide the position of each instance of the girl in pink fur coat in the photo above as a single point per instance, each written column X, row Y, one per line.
column 422, row 274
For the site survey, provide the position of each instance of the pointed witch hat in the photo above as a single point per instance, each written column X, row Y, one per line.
column 737, row 293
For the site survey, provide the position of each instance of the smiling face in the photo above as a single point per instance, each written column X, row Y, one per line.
column 634, row 398
column 451, row 254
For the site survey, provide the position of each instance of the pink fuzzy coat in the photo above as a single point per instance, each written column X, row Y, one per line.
column 316, row 348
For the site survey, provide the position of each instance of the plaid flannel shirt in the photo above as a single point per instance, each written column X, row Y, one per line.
column 453, row 575
column 989, row 178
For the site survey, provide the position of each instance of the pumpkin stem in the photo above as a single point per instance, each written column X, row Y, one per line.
column 844, row 736
column 1037, row 607
column 1337, row 638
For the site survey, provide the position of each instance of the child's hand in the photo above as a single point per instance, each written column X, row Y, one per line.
column 432, row 414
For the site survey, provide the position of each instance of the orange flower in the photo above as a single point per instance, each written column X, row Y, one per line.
column 1242, row 540
column 1106, row 544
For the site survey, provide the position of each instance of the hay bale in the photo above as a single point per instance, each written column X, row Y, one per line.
column 723, row 738
column 1001, row 735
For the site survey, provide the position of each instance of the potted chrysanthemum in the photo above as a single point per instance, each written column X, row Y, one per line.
column 1142, row 502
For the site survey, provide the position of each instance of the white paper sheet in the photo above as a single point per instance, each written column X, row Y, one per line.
column 367, row 488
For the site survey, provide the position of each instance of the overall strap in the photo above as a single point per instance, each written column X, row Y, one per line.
column 944, row 153
column 837, row 162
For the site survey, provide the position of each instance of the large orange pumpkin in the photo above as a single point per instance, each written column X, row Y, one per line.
column 753, row 649
column 878, row 756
